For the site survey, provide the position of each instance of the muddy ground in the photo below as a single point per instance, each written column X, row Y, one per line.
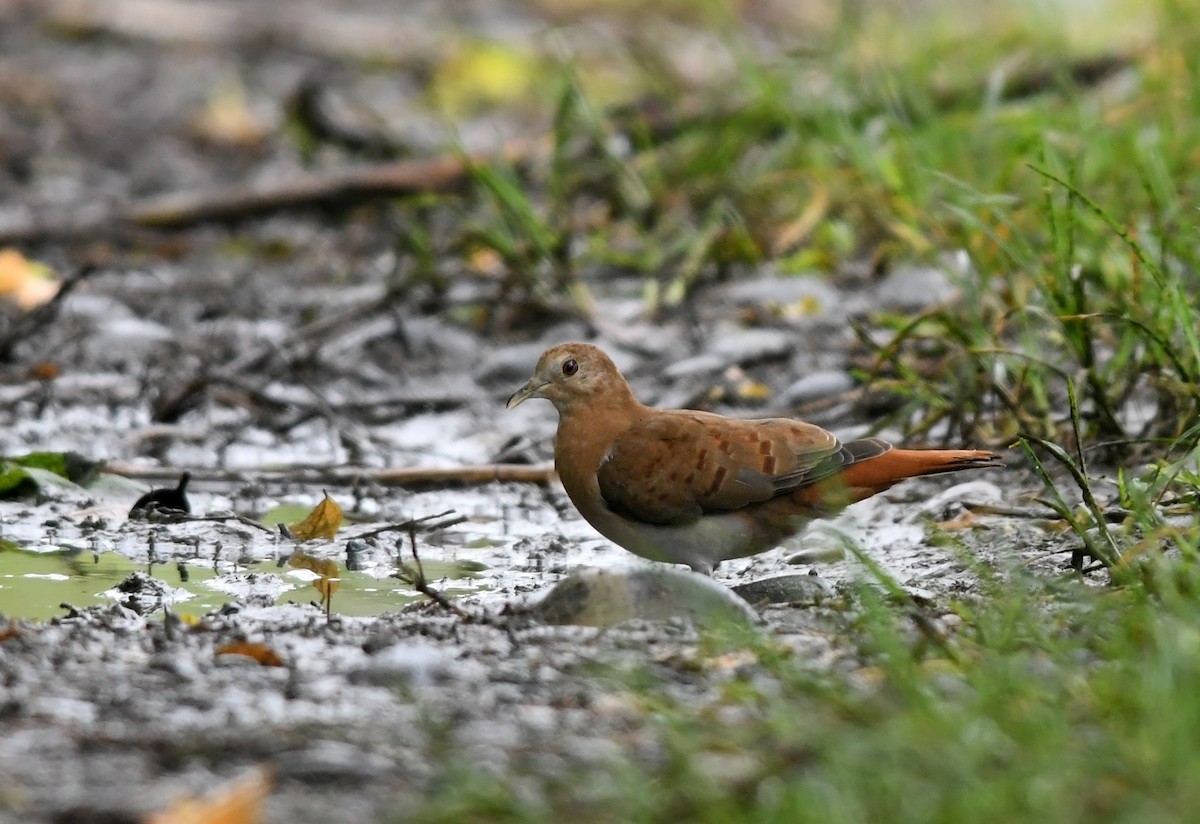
column 307, row 341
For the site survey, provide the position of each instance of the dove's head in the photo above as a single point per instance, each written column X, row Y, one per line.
column 573, row 374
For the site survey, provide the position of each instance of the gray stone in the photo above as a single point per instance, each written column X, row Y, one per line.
column 817, row 555
column 915, row 288
column 601, row 598
column 816, row 386
column 697, row 365
column 330, row 762
column 753, row 345
column 785, row 589
column 777, row 290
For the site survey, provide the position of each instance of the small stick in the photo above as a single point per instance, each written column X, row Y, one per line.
column 413, row 523
column 414, row 576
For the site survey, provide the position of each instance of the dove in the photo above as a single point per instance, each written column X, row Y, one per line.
column 696, row 488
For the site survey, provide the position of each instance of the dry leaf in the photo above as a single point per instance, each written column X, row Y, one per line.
column 751, row 390
column 323, row 522
column 965, row 520
column 731, row 661
column 330, row 578
column 486, row 261
column 806, row 307
column 235, row 802
column 792, row 234
column 483, row 73
column 25, row 282
column 227, row 119
column 324, row 567
column 45, row 371
column 259, row 652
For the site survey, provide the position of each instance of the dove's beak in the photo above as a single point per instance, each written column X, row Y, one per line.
column 531, row 389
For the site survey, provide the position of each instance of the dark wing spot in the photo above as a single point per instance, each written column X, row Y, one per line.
column 768, row 465
column 700, row 456
column 718, row 479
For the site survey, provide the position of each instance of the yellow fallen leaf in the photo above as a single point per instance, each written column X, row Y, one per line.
column 486, row 261
column 807, row 306
column 482, row 73
column 323, row 522
column 25, row 282
column 751, row 390
column 324, row 567
column 329, row 579
column 259, row 652
column 227, row 119
column 235, row 802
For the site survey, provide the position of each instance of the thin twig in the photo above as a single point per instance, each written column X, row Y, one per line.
column 175, row 517
column 414, row 576
column 186, row 394
column 426, row 522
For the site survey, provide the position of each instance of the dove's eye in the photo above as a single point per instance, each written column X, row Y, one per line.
column 570, row 367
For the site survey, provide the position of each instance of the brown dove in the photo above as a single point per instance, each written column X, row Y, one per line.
column 696, row 488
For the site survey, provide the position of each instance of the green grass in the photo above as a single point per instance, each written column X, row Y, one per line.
column 1052, row 702
column 891, row 138
column 1047, row 144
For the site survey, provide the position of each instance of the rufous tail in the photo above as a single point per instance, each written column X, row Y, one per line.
column 780, row 516
column 893, row 466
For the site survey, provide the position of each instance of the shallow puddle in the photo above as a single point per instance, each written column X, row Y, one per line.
column 36, row 584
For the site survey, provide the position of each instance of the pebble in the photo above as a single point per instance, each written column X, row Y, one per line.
column 915, row 288
column 603, row 598
column 785, row 589
column 816, row 386
column 707, row 364
column 331, row 761
column 754, row 345
column 817, row 555
column 944, row 504
column 921, row 595
column 812, row 290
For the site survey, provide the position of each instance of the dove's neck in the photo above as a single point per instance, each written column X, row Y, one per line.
column 586, row 431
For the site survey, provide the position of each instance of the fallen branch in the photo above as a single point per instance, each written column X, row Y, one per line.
column 408, row 477
column 236, row 202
